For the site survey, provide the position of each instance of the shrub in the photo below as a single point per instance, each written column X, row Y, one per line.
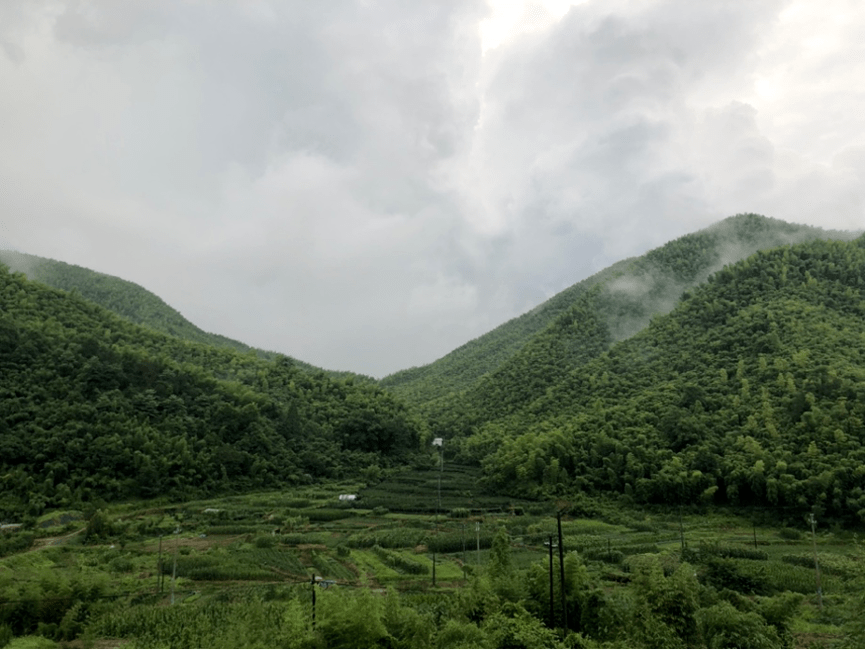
column 790, row 533
column 744, row 577
column 611, row 557
column 121, row 565
column 399, row 562
column 264, row 541
column 723, row 626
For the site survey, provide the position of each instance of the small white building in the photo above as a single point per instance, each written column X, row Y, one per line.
column 348, row 497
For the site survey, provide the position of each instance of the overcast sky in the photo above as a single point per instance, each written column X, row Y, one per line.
column 366, row 185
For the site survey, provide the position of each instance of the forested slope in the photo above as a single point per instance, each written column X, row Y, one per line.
column 749, row 392
column 461, row 368
column 131, row 302
column 503, row 370
column 92, row 406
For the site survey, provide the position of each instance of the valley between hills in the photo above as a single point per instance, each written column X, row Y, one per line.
column 669, row 453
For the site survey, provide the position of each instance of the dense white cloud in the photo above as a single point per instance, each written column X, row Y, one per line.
column 366, row 185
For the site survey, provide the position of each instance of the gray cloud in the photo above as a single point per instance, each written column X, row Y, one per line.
column 355, row 184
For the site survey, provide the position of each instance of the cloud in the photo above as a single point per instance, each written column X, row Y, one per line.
column 367, row 185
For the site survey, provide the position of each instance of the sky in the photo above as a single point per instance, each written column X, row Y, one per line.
column 366, row 185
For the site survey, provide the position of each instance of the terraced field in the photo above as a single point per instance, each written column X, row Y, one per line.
column 261, row 545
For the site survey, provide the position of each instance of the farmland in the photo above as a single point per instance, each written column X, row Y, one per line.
column 109, row 574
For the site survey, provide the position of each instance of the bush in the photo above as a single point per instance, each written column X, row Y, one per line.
column 265, row 541
column 120, row 565
column 723, row 626
column 399, row 562
column 603, row 555
column 15, row 543
column 790, row 533
column 380, row 511
column 459, row 513
column 743, row 577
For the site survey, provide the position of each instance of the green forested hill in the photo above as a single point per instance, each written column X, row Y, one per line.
column 504, row 369
column 92, row 406
column 130, row 301
column 749, row 392
column 462, row 367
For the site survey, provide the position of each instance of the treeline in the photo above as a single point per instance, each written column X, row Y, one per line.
column 93, row 407
column 750, row 392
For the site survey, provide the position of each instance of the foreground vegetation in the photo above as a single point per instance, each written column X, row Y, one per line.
column 243, row 566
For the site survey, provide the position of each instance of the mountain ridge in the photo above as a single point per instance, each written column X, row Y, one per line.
column 136, row 304
column 619, row 300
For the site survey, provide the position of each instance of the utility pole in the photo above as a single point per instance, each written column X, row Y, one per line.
column 174, row 567
column 550, row 565
column 437, row 442
column 562, row 573
column 478, row 543
column 463, row 539
column 159, row 568
column 817, row 568
column 313, row 587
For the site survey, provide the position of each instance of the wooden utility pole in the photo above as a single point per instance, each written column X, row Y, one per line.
column 159, row 568
column 174, row 566
column 550, row 565
column 561, row 572
column 817, row 568
column 463, row 539
column 313, row 586
column 438, row 443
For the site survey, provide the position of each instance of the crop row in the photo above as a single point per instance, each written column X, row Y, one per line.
column 400, row 562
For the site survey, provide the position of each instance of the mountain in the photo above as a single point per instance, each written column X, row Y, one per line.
column 132, row 302
column 500, row 372
column 749, row 392
column 95, row 407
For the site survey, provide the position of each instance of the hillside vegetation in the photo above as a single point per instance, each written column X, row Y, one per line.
column 94, row 407
column 131, row 302
column 501, row 371
column 749, row 392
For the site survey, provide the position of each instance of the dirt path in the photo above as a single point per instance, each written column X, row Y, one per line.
column 56, row 541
